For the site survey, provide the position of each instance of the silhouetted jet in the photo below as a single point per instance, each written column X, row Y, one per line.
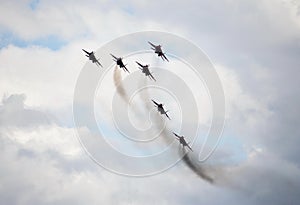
column 120, row 63
column 92, row 57
column 145, row 69
column 157, row 49
column 161, row 109
column 182, row 141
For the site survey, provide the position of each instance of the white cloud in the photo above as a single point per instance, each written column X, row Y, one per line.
column 45, row 164
column 70, row 20
column 255, row 45
column 42, row 139
column 47, row 77
column 241, row 105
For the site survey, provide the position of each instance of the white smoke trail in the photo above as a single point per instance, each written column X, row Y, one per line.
column 119, row 86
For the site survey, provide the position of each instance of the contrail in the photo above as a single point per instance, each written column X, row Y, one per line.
column 119, row 86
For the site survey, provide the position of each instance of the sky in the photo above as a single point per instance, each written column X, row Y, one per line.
column 254, row 47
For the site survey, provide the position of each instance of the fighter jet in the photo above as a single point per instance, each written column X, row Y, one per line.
column 157, row 49
column 120, row 63
column 145, row 69
column 182, row 141
column 92, row 57
column 161, row 109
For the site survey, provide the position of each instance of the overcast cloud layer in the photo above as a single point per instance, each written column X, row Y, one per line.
column 255, row 47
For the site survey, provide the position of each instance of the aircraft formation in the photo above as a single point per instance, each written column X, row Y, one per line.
column 145, row 69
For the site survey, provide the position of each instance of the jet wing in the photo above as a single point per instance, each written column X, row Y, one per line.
column 167, row 116
column 87, row 52
column 152, row 44
column 139, row 64
column 114, row 56
column 164, row 57
column 98, row 63
column 151, row 76
column 124, row 67
column 155, row 102
column 189, row 147
column 186, row 144
column 176, row 135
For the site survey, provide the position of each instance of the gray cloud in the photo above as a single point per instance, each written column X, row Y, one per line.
column 13, row 113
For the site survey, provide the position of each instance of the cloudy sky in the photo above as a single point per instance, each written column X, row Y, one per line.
column 255, row 48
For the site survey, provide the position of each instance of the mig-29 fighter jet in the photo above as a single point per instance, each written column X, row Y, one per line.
column 161, row 109
column 120, row 63
column 92, row 57
column 145, row 69
column 182, row 141
column 157, row 49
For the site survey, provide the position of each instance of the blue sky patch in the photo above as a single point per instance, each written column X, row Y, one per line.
column 33, row 4
column 52, row 42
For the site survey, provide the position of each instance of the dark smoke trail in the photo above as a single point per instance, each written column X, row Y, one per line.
column 119, row 86
column 196, row 168
column 158, row 120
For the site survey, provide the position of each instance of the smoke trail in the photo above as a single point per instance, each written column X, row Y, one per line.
column 195, row 167
column 119, row 86
column 158, row 121
column 145, row 95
